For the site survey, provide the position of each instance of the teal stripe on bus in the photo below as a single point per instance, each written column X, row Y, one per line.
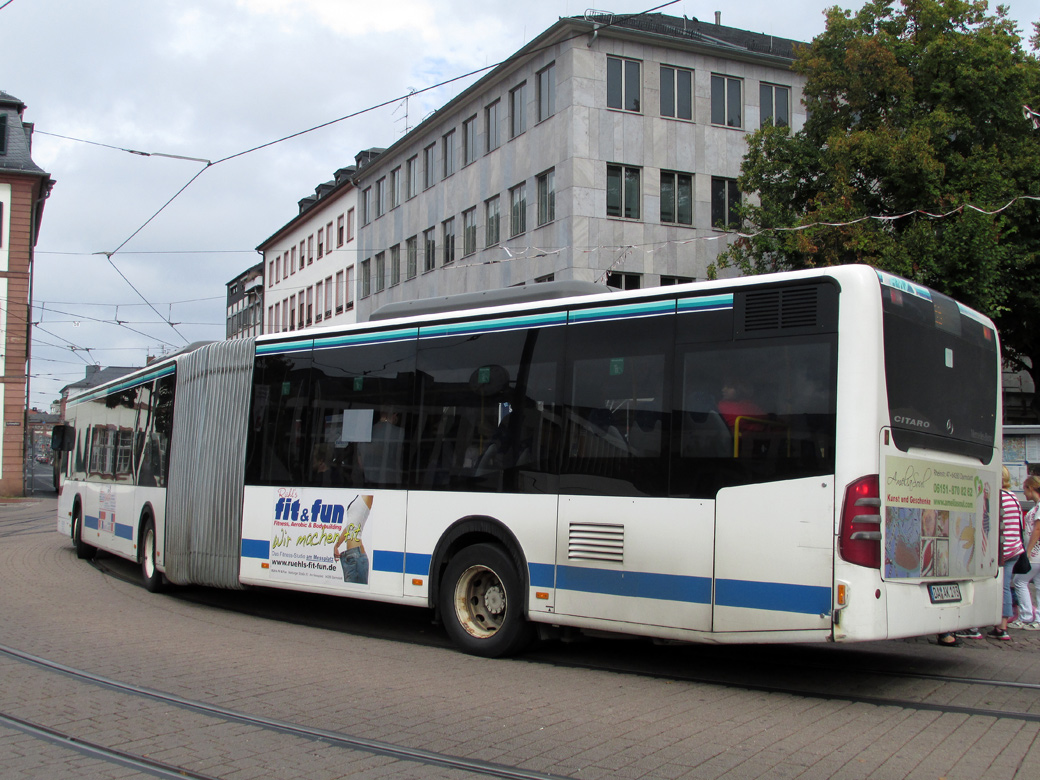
column 126, row 384
column 623, row 311
column 501, row 323
column 707, row 303
column 357, row 339
column 284, row 347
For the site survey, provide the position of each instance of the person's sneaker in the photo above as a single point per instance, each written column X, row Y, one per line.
column 999, row 633
column 969, row 633
column 1034, row 626
column 1016, row 624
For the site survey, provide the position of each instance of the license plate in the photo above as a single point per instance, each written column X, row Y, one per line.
column 944, row 593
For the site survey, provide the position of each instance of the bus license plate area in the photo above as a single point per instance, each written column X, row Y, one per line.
column 945, row 592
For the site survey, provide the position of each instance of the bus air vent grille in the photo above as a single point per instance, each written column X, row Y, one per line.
column 789, row 307
column 596, row 542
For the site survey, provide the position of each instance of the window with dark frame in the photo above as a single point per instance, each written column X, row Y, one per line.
column 623, row 80
column 725, row 201
column 726, row 100
column 623, row 192
column 676, row 92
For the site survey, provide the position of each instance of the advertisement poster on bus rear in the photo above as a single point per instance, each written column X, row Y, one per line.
column 940, row 520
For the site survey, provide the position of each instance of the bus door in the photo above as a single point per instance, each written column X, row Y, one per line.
column 755, row 433
column 625, row 550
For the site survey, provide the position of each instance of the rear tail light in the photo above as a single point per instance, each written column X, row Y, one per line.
column 860, row 539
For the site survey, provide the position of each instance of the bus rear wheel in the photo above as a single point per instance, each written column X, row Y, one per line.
column 153, row 579
column 84, row 551
column 482, row 603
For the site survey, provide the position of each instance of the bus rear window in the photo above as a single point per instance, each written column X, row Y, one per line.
column 941, row 372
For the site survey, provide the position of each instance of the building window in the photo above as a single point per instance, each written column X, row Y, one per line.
column 547, row 92
column 328, row 297
column 469, row 140
column 310, row 250
column 321, row 243
column 492, row 214
column 380, row 272
column 491, row 136
column 448, row 154
column 366, row 205
column 366, row 278
column 623, row 193
column 411, row 180
column 546, row 197
column 411, row 261
column 775, row 102
column 350, row 225
column 3, row 133
column 430, row 250
column 395, row 187
column 725, row 100
column 380, row 198
column 303, row 256
column 339, row 292
column 270, row 272
column 622, row 281
column 517, row 210
column 328, row 239
column 395, row 264
column 429, row 174
column 348, row 287
column 270, row 319
column 448, row 240
column 676, row 92
column 677, row 197
column 623, row 84
column 517, row 110
column 340, row 232
column 319, row 291
column 278, row 267
column 725, row 200
column 668, row 281
column 469, row 231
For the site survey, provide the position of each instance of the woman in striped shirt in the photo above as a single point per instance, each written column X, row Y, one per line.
column 1010, row 549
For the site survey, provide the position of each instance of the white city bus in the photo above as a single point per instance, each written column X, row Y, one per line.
column 809, row 456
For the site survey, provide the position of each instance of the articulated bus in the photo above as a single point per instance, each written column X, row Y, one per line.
column 805, row 456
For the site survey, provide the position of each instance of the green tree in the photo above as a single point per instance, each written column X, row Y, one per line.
column 911, row 110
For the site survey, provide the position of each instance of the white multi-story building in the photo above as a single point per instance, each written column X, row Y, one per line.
column 605, row 149
column 309, row 263
column 245, row 303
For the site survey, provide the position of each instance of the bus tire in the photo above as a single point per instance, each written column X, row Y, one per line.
column 482, row 604
column 84, row 551
column 153, row 578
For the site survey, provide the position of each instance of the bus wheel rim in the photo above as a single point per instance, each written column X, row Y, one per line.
column 149, row 553
column 480, row 602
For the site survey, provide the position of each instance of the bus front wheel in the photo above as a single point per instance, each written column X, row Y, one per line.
column 84, row 551
column 482, row 603
column 153, row 578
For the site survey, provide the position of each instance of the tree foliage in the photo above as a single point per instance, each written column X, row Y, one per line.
column 910, row 109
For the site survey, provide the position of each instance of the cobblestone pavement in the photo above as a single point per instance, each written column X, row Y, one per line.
column 574, row 722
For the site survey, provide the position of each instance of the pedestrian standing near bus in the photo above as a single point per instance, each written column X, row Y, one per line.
column 1010, row 549
column 1028, row 612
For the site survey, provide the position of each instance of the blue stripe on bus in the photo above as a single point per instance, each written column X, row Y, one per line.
column 487, row 326
column 256, row 548
column 706, row 303
column 124, row 531
column 637, row 584
column 388, row 560
column 601, row 313
column 773, row 596
column 417, row 564
column 90, row 522
column 543, row 575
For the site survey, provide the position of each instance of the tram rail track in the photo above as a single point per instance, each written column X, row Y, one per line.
column 554, row 657
column 325, row 736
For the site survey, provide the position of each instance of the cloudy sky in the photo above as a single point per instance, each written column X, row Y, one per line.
column 210, row 79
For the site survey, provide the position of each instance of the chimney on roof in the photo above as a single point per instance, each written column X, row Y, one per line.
column 718, row 17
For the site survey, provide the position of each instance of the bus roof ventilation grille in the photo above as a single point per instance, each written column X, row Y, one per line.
column 780, row 310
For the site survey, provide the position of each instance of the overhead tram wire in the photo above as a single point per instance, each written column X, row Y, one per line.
column 209, row 164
